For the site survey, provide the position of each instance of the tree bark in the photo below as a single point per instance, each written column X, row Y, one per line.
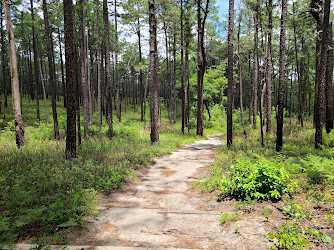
column 230, row 73
column 240, row 68
column 255, row 64
column 321, row 96
column 154, row 74
column 71, row 79
column 62, row 68
column 19, row 129
column 140, row 73
column 36, row 61
column 83, row 64
column 281, row 87
column 182, row 72
column 99, row 66
column 118, row 110
column 298, row 70
column 51, row 69
column 269, row 65
column 108, row 70
column 201, row 64
column 329, row 86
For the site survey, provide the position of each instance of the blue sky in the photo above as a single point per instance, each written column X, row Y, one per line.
column 223, row 6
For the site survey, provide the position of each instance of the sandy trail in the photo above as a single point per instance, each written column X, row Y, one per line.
column 161, row 210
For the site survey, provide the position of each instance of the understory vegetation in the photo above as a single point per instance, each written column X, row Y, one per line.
column 43, row 192
column 298, row 181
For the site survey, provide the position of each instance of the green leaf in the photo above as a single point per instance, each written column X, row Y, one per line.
column 326, row 239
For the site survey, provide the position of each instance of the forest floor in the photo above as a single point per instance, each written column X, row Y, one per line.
column 161, row 208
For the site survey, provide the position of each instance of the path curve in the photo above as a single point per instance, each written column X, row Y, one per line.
column 161, row 210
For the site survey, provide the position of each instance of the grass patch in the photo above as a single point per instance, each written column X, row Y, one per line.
column 42, row 192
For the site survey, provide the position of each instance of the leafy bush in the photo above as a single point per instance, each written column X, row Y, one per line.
column 293, row 236
column 260, row 180
column 318, row 169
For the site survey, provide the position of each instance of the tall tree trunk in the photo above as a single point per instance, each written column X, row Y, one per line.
column 281, row 87
column 329, row 80
column 19, row 129
column 256, row 64
column 140, row 74
column 154, row 73
column 118, row 110
column 3, row 68
column 51, row 69
column 71, row 79
column 230, row 73
column 269, row 65
column 36, row 61
column 240, row 68
column 201, row 64
column 174, row 74
column 62, row 68
column 108, row 70
column 321, row 96
column 169, row 82
column 83, row 64
column 99, row 68
column 182, row 70
column 298, row 71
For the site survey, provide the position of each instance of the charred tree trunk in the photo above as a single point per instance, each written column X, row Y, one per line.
column 281, row 87
column 230, row 74
column 71, row 79
column 154, row 74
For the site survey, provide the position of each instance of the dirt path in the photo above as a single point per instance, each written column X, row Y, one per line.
column 160, row 209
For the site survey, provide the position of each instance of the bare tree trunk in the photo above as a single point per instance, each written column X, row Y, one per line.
column 240, row 68
column 83, row 64
column 230, row 72
column 174, row 74
column 201, row 64
column 140, row 74
column 182, row 71
column 154, row 73
column 62, row 68
column 281, row 87
column 298, row 71
column 255, row 64
column 19, row 129
column 321, row 103
column 329, row 80
column 118, row 111
column 51, row 69
column 99, row 59
column 71, row 79
column 36, row 61
column 107, row 63
column 269, row 65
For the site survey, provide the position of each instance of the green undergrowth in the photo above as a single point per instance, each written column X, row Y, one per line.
column 42, row 193
column 248, row 171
